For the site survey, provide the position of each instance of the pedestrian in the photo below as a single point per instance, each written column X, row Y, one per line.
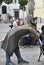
column 42, row 35
column 11, row 25
column 40, row 19
column 15, row 24
column 25, row 22
column 34, row 23
column 13, row 18
column 11, row 22
column 42, row 40
column 0, row 18
column 18, row 22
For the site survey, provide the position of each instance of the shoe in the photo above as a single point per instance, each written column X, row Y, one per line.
column 38, row 60
column 22, row 61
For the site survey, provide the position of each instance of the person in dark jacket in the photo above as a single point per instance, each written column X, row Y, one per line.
column 34, row 23
column 42, row 40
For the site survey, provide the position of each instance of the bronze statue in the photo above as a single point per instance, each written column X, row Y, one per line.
column 10, row 43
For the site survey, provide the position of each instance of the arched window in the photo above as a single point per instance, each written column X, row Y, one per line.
column 4, row 9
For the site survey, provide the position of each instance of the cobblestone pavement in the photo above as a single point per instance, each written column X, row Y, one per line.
column 28, row 53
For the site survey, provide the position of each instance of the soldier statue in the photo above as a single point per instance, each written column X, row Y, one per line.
column 10, row 43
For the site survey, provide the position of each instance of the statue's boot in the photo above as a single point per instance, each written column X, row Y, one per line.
column 20, row 60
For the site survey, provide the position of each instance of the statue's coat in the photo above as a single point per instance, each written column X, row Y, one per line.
column 10, row 42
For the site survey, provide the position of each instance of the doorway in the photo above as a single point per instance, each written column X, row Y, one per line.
column 16, row 14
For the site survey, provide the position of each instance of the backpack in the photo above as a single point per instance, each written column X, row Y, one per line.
column 42, row 41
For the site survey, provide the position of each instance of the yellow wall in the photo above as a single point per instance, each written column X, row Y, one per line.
column 39, row 12
column 38, row 3
column 39, row 9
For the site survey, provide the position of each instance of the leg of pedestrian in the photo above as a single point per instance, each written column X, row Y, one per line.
column 41, row 52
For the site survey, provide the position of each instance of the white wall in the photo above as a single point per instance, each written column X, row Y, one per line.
column 10, row 10
column 22, row 15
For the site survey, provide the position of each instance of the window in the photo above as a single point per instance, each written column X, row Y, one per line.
column 4, row 9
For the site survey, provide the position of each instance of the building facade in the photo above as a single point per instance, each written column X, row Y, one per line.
column 39, row 8
column 12, row 9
